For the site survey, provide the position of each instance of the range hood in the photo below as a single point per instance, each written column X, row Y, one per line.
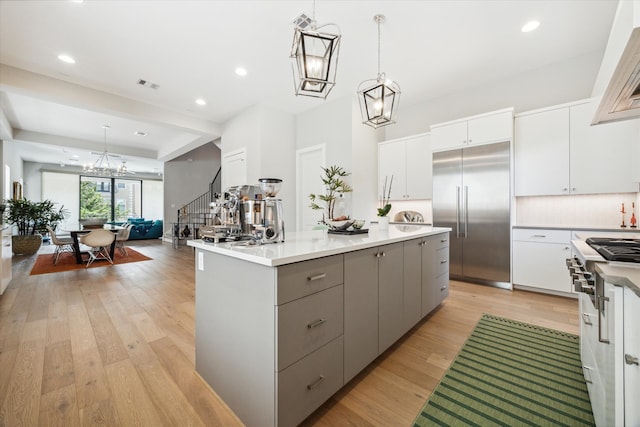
column 621, row 99
column 620, row 68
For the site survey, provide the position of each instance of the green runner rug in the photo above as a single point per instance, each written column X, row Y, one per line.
column 511, row 373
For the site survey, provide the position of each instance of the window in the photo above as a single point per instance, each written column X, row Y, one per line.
column 111, row 199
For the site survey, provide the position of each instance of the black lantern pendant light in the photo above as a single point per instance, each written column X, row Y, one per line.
column 314, row 57
column 379, row 98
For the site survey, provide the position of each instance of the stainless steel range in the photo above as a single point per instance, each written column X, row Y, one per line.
column 613, row 250
column 616, row 250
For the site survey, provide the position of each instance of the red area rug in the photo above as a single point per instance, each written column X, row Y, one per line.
column 67, row 262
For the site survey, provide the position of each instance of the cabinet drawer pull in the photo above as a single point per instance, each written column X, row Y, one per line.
column 316, row 323
column 443, row 288
column 630, row 360
column 422, row 243
column 316, row 383
column 539, row 235
column 317, row 277
column 443, row 241
column 444, row 261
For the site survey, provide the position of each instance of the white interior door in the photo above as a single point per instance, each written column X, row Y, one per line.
column 309, row 162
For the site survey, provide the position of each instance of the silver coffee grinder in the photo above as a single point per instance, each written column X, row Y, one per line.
column 272, row 217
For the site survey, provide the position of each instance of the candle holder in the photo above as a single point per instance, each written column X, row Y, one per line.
column 623, row 225
column 633, row 221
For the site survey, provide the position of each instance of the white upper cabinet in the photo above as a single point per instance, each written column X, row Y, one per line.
column 482, row 129
column 392, row 163
column 558, row 152
column 542, row 153
column 449, row 136
column 601, row 155
column 408, row 160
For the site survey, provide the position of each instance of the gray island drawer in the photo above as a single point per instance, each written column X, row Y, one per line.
column 308, row 277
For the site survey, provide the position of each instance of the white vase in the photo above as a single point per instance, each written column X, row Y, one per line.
column 383, row 222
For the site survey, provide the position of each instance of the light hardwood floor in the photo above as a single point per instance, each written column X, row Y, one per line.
column 114, row 346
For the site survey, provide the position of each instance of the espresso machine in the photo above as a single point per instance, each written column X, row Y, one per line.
column 247, row 212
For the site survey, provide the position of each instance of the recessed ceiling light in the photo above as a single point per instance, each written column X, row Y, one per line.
column 140, row 133
column 66, row 58
column 530, row 26
column 201, row 102
column 241, row 71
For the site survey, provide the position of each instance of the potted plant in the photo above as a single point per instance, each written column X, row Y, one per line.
column 385, row 206
column 335, row 187
column 31, row 219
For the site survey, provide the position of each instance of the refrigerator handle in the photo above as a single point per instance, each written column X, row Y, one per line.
column 457, row 212
column 466, row 211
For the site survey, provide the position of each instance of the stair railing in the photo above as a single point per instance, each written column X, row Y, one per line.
column 196, row 213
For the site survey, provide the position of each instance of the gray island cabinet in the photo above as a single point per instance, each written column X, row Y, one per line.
column 280, row 328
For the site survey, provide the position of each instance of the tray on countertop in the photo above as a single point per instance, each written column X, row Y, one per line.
column 349, row 232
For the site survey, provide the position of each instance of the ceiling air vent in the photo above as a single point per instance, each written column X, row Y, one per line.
column 147, row 83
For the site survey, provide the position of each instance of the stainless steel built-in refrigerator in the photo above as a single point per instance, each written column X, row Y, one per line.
column 471, row 195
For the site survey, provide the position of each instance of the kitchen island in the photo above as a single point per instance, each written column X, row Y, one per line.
column 281, row 327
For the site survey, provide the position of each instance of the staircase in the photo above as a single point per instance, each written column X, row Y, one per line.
column 196, row 213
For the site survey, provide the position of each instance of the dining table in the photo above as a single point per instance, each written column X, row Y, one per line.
column 80, row 231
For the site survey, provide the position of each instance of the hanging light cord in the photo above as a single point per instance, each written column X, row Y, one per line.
column 378, row 19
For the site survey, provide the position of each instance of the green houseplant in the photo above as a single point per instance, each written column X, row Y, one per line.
column 31, row 219
column 335, row 187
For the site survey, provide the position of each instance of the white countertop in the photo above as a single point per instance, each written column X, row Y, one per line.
column 303, row 246
column 621, row 276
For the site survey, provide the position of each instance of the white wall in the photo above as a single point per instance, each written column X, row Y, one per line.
column 244, row 130
column 558, row 83
column 330, row 123
column 269, row 140
column 364, row 154
column 278, row 152
column 14, row 162
column 187, row 177
column 64, row 190
column 153, row 200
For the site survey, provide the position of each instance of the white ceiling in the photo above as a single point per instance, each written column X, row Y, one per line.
column 191, row 48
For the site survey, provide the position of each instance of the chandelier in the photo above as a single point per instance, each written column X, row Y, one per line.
column 379, row 97
column 314, row 57
column 105, row 164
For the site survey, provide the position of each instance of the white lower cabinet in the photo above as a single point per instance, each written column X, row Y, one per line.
column 5, row 264
column 610, row 353
column 539, row 259
column 631, row 369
